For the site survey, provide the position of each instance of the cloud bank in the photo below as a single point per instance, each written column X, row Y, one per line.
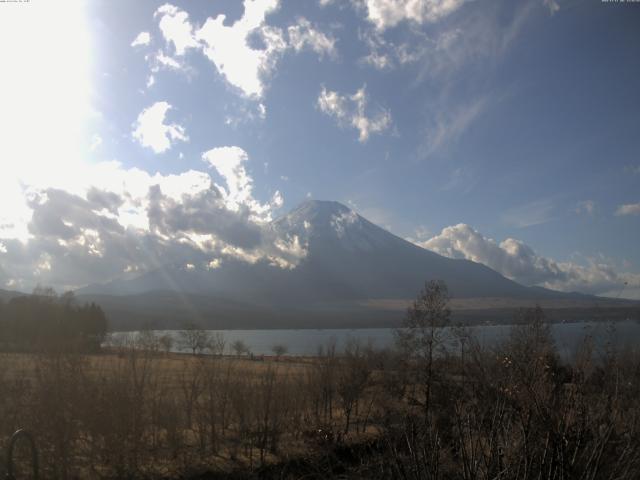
column 628, row 209
column 518, row 261
column 122, row 222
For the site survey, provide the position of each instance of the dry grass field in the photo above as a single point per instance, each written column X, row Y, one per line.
column 137, row 412
column 510, row 412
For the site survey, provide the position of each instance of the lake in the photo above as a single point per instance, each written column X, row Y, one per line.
column 568, row 336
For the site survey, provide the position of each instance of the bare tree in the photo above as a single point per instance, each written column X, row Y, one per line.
column 147, row 340
column 279, row 350
column 422, row 334
column 239, row 347
column 217, row 343
column 45, row 293
column 322, row 381
column 194, row 338
column 353, row 378
column 166, row 342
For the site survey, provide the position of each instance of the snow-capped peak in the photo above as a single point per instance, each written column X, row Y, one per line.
column 318, row 222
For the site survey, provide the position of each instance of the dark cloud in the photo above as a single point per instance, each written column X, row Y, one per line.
column 101, row 199
column 60, row 214
column 203, row 213
column 75, row 242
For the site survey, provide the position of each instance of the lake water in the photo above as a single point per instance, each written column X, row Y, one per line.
column 568, row 336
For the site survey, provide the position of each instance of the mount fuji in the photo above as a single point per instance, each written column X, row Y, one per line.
column 354, row 273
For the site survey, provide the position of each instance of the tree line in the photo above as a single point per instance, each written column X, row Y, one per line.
column 45, row 320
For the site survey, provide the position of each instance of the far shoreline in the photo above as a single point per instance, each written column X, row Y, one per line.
column 550, row 321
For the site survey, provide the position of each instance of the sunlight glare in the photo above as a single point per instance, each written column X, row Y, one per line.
column 44, row 102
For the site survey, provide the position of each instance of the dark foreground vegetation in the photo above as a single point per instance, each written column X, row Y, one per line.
column 430, row 409
column 45, row 321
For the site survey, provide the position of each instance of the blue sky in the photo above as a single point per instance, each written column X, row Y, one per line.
column 503, row 132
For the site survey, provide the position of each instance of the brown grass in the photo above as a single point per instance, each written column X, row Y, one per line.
column 514, row 412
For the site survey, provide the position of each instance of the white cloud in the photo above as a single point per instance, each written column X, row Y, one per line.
column 230, row 162
column 586, row 206
column 96, row 141
column 245, row 52
column 378, row 60
column 143, row 38
column 381, row 53
column 303, row 35
column 350, row 110
column 470, row 41
column 68, row 230
column 384, row 54
column 628, row 209
column 119, row 221
column 511, row 257
column 277, row 201
column 340, row 222
column 228, row 48
column 518, row 261
column 151, row 131
column 530, row 214
column 162, row 60
column 245, row 111
column 441, row 54
column 176, row 28
column 422, row 233
column 87, row 232
column 449, row 125
column 449, row 47
column 385, row 14
column 552, row 5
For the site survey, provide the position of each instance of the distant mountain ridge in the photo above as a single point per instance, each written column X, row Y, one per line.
column 349, row 261
column 6, row 295
column 348, row 258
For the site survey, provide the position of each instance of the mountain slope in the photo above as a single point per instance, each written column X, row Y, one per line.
column 349, row 261
column 348, row 258
column 366, row 261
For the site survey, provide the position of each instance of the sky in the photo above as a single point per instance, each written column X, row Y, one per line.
column 139, row 134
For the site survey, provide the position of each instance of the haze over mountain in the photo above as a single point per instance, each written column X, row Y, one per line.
column 348, row 258
column 352, row 268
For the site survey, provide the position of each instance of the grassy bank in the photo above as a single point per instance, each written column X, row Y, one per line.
column 509, row 412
